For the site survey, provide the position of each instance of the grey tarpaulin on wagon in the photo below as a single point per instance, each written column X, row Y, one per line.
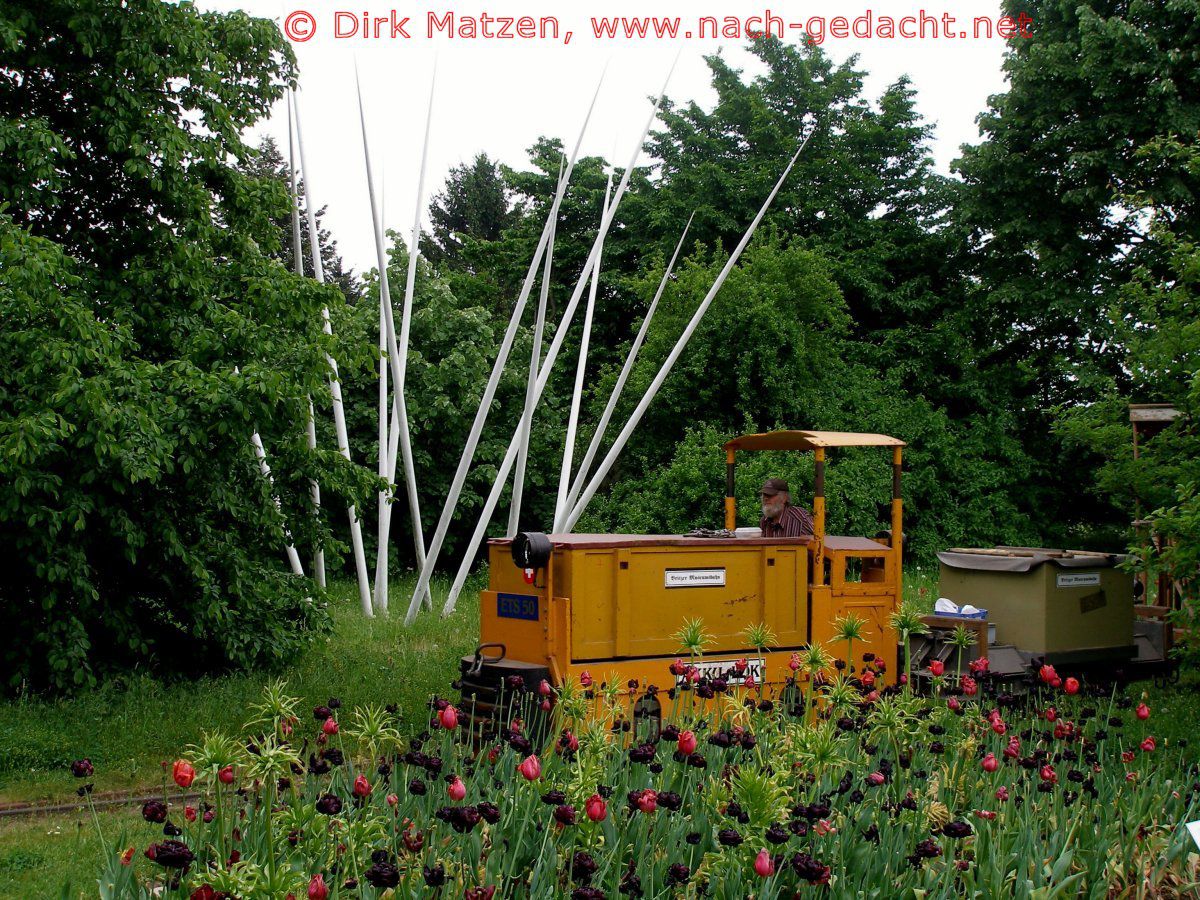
column 1005, row 559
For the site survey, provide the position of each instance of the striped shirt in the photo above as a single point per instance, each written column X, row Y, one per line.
column 792, row 522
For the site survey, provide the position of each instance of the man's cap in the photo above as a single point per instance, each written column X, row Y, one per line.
column 773, row 486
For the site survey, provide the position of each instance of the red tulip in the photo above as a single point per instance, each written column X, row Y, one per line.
column 1051, row 714
column 225, row 776
column 969, row 686
column 741, row 665
column 937, row 667
column 867, row 679
column 189, row 813
column 824, row 827
column 990, row 763
column 206, row 892
column 677, row 668
column 546, row 705
column 985, row 814
column 456, row 789
column 585, row 678
column 872, row 697
column 998, row 726
column 875, row 779
column 1071, row 686
column 448, row 718
column 596, row 808
column 1148, row 745
column 1056, row 683
column 794, row 662
column 531, row 768
column 544, row 688
column 648, row 801
column 1002, row 793
column 1142, row 711
column 763, row 867
column 330, row 726
column 392, row 800
column 1013, row 750
column 1127, row 756
column 569, row 742
column 317, row 889
column 954, row 705
column 183, row 773
column 1047, row 674
column 686, row 743
column 1047, row 773
column 749, row 681
column 362, row 787
column 978, row 666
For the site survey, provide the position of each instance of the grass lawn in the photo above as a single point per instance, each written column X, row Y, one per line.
column 129, row 729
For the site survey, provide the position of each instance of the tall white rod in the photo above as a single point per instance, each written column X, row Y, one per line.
column 489, row 391
column 626, row 369
column 335, row 386
column 665, row 369
column 401, row 417
column 390, row 435
column 314, row 488
column 489, row 507
column 568, row 458
column 535, row 361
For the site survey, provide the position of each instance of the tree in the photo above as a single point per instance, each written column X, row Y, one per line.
column 267, row 162
column 135, row 526
column 1055, row 231
column 472, row 206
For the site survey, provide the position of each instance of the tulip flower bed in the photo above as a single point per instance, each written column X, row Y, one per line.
column 968, row 791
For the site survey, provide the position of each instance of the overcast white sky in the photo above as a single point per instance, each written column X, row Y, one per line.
column 498, row 95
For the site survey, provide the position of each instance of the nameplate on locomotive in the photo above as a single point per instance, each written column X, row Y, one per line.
column 677, row 578
column 517, row 606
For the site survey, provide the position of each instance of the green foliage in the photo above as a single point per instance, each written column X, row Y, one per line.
column 136, row 528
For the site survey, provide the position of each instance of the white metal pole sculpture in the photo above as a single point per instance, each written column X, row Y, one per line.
column 314, row 489
column 501, row 478
column 489, row 390
column 626, row 369
column 564, row 478
column 335, row 386
column 395, row 356
column 665, row 369
column 535, row 361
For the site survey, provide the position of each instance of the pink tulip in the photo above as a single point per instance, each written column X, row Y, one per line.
column 448, row 718
column 648, row 801
column 686, row 743
column 1142, row 711
column 225, row 776
column 1047, row 773
column 330, row 726
column 937, row 667
column 872, row 697
column 763, row 867
column 1148, row 745
column 362, row 787
column 456, row 789
column 585, row 678
column 954, row 705
column 317, row 889
column 990, row 763
column 1071, row 686
column 794, row 662
column 875, row 779
column 969, row 686
column 1002, row 793
column 531, row 768
column 392, row 800
column 596, row 808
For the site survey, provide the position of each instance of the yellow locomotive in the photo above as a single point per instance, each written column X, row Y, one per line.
column 609, row 604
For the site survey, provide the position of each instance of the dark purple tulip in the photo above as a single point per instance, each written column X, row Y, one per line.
column 171, row 854
column 329, row 805
column 82, row 768
column 435, row 876
column 154, row 811
column 678, row 873
column 383, row 875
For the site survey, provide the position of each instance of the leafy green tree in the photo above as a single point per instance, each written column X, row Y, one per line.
column 267, row 162
column 473, row 205
column 135, row 525
column 1055, row 229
